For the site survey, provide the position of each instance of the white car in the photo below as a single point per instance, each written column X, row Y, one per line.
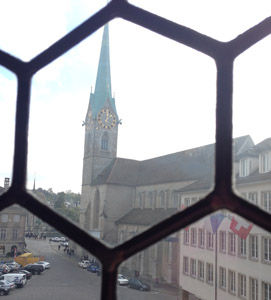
column 55, row 239
column 45, row 264
column 122, row 280
column 84, row 264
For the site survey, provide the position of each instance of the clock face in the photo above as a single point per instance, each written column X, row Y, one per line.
column 107, row 119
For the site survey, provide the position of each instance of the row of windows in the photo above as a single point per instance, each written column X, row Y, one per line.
column 5, row 218
column 264, row 164
column 4, row 231
column 234, row 284
column 227, row 243
column 265, row 199
column 155, row 199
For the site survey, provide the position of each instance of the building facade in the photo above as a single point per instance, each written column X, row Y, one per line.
column 234, row 261
column 12, row 229
column 123, row 197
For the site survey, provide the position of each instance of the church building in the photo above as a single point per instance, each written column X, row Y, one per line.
column 123, row 197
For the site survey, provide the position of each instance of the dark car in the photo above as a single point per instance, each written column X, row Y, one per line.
column 94, row 268
column 4, row 290
column 27, row 273
column 137, row 284
column 34, row 269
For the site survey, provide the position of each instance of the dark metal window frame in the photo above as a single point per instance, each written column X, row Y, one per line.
column 222, row 196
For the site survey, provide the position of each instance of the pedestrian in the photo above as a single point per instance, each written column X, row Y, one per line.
column 58, row 247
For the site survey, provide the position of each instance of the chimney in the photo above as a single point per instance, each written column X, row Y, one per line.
column 6, row 183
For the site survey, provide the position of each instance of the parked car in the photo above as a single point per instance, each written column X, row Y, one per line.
column 13, row 266
column 4, row 283
column 46, row 264
column 55, row 239
column 4, row 269
column 27, row 273
column 64, row 244
column 34, row 268
column 122, row 280
column 94, row 268
column 18, row 278
column 84, row 264
column 4, row 291
column 137, row 284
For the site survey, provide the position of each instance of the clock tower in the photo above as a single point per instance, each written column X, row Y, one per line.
column 101, row 122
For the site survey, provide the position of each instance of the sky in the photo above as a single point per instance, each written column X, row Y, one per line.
column 165, row 92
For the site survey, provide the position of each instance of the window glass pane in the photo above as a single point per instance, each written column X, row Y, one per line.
column 218, row 13
column 7, row 126
column 52, row 21
column 252, row 163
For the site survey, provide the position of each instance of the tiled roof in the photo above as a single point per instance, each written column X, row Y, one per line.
column 146, row 216
column 181, row 166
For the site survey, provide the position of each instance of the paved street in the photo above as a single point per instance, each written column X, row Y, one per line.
column 65, row 280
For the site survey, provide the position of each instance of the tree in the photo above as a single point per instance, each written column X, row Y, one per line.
column 60, row 202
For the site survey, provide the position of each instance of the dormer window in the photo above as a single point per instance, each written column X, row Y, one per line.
column 244, row 167
column 265, row 162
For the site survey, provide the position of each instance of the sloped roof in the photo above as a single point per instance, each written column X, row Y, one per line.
column 146, row 216
column 181, row 166
column 264, row 145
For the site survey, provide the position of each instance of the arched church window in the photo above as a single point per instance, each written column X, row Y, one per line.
column 140, row 200
column 104, row 145
column 162, row 198
column 96, row 210
column 151, row 199
column 87, row 216
column 87, row 142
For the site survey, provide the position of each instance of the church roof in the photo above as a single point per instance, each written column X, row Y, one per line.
column 181, row 166
column 146, row 216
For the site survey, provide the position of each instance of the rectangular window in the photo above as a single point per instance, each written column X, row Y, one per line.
column 242, row 247
column 253, row 289
column 185, row 265
column 201, row 270
column 265, row 162
column 186, row 237
column 232, row 282
column 232, row 244
column 210, row 240
column 193, row 265
column 222, row 241
column 4, row 218
column 186, row 202
column 244, row 167
column 242, row 285
column 266, row 246
column 222, row 278
column 266, row 201
column 210, row 273
column 3, row 234
column 16, row 218
column 253, row 247
column 253, row 197
column 201, row 238
column 194, row 200
column 14, row 234
column 176, row 200
column 266, row 291
column 193, row 237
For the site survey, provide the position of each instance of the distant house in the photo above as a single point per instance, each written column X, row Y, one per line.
column 12, row 228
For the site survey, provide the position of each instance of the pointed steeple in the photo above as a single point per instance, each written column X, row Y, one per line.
column 103, row 90
column 103, row 80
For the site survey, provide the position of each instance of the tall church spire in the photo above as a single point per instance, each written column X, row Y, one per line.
column 103, row 80
column 103, row 90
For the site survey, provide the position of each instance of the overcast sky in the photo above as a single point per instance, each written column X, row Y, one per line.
column 165, row 92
